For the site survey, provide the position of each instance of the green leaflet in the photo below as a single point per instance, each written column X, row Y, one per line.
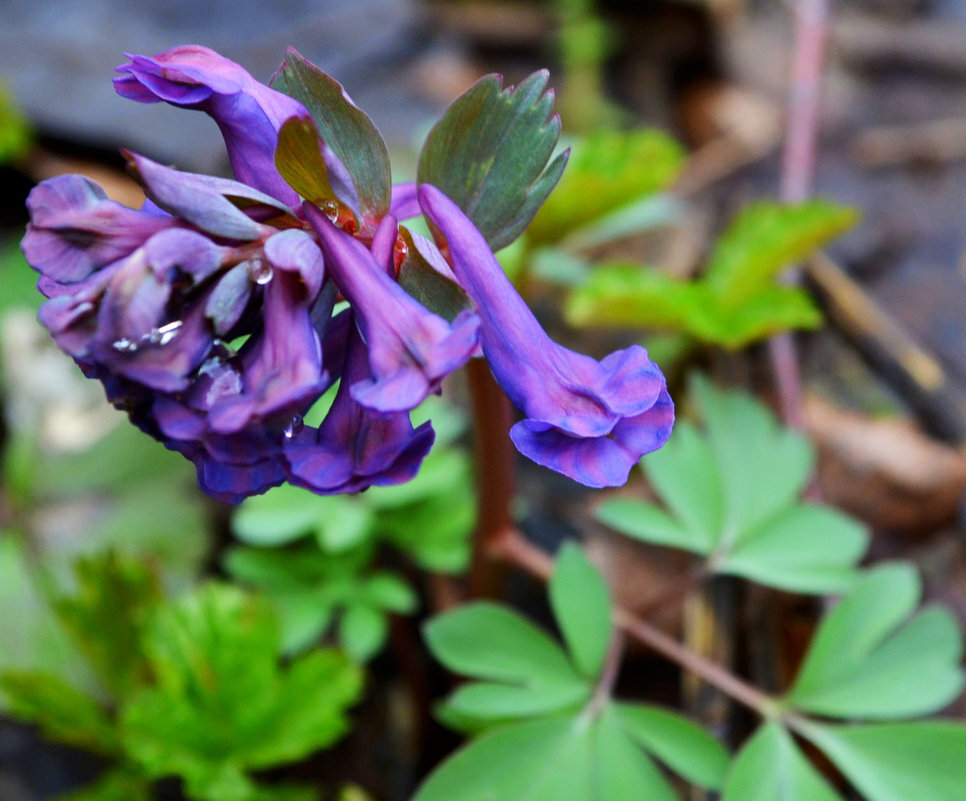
column 731, row 495
column 490, row 153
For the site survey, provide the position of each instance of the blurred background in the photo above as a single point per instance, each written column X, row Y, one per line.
column 885, row 378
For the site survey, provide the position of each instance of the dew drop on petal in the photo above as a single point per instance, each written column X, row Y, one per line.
column 164, row 334
column 260, row 271
column 330, row 208
column 124, row 345
column 294, row 426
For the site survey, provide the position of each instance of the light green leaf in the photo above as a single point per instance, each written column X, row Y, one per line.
column 437, row 292
column 280, row 516
column 766, row 238
column 490, row 152
column 863, row 663
column 683, row 473
column 899, row 761
column 811, row 549
column 769, row 311
column 582, row 606
column 342, row 523
column 623, row 770
column 490, row 702
column 487, row 641
column 644, row 521
column 543, row 760
column 390, row 592
column 362, row 631
column 63, row 713
column 346, row 129
column 608, row 169
column 771, row 768
column 683, row 746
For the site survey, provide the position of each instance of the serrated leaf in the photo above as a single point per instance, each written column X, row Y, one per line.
column 810, row 549
column 63, row 713
column 864, row 664
column 490, row 151
column 582, row 607
column 623, row 770
column 683, row 746
column 766, row 238
column 223, row 703
column 487, row 641
column 898, row 761
column 348, row 131
column 544, row 760
column 770, row 767
column 608, row 169
column 299, row 160
column 438, row 292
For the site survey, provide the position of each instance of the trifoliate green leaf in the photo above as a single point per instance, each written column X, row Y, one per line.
column 731, row 495
column 868, row 661
column 347, row 130
column 490, row 152
column 582, row 606
column 770, row 767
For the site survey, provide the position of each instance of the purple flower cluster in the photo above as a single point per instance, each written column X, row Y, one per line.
column 210, row 314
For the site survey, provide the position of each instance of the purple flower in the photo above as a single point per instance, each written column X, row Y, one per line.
column 589, row 420
column 356, row 447
column 410, row 349
column 248, row 113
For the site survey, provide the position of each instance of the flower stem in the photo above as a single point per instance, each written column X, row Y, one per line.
column 517, row 551
column 494, row 457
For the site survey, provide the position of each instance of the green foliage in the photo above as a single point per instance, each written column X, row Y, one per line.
column 731, row 495
column 218, row 648
column 426, row 283
column 607, row 170
column 192, row 688
column 490, row 151
column 547, row 728
column 298, row 159
column 737, row 301
column 346, row 129
column 15, row 134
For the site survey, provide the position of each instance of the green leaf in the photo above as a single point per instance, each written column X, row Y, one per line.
column 623, row 770
column 299, row 160
column 342, row 523
column 487, row 641
column 582, row 606
column 346, row 129
column 543, row 760
column 810, row 549
column 683, row 473
column 105, row 617
column 482, row 703
column 15, row 133
column 682, row 745
column 898, row 761
column 769, row 311
column 608, row 169
column 644, row 521
column 766, row 238
column 864, row 663
column 19, row 281
column 62, row 712
column 489, row 153
column 120, row 784
column 223, row 703
column 362, row 631
column 771, row 768
column 434, row 289
column 389, row 592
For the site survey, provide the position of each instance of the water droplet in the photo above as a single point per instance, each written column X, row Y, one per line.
column 164, row 334
column 330, row 208
column 260, row 271
column 295, row 425
column 124, row 345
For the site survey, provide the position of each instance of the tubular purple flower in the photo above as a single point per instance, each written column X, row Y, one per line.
column 355, row 447
column 589, row 420
column 411, row 350
column 74, row 229
column 247, row 112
